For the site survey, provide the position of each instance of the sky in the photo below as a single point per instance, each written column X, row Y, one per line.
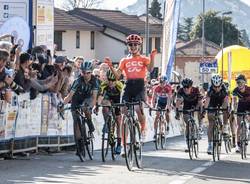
column 118, row 4
column 107, row 4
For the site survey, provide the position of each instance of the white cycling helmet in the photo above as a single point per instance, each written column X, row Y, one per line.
column 216, row 80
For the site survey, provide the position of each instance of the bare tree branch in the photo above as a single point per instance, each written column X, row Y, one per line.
column 71, row 4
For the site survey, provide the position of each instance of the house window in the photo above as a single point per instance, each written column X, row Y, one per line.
column 158, row 44
column 92, row 40
column 58, row 40
column 77, row 39
column 150, row 45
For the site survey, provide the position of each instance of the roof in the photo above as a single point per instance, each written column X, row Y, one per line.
column 64, row 21
column 194, row 48
column 116, row 20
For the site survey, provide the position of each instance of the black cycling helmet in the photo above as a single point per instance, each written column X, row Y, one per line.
column 241, row 77
column 187, row 82
column 110, row 75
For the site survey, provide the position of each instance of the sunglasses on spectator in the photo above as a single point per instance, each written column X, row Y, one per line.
column 133, row 44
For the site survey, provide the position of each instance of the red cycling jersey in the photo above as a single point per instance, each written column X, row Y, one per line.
column 134, row 67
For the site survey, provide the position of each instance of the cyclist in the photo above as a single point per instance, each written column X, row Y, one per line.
column 217, row 97
column 162, row 97
column 134, row 67
column 83, row 91
column 231, row 118
column 190, row 97
column 242, row 92
column 110, row 92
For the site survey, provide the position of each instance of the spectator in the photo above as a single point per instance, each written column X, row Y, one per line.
column 77, row 71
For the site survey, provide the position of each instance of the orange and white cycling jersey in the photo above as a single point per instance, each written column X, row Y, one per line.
column 134, row 67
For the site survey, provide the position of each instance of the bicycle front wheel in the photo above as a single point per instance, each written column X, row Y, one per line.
column 243, row 140
column 195, row 140
column 137, row 145
column 189, row 140
column 128, row 143
column 105, row 140
column 163, row 126
column 157, row 135
column 215, row 142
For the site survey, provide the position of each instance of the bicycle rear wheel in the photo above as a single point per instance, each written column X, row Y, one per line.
column 137, row 144
column 105, row 140
column 128, row 143
column 157, row 135
column 190, row 141
column 80, row 145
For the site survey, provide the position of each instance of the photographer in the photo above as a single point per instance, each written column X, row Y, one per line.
column 26, row 76
column 6, row 78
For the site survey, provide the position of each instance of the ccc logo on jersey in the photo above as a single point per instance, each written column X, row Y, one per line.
column 134, row 66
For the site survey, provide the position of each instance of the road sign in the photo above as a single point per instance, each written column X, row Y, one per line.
column 208, row 67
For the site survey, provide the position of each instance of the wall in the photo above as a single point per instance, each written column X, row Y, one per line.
column 69, row 45
column 106, row 46
column 189, row 67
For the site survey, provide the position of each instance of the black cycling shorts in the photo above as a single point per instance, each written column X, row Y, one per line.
column 134, row 91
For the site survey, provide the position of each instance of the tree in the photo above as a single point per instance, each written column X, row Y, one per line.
column 244, row 38
column 72, row 4
column 185, row 29
column 155, row 9
column 213, row 29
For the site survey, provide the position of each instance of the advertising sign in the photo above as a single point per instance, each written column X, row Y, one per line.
column 45, row 23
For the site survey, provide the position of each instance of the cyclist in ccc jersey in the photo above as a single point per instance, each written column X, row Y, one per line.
column 134, row 67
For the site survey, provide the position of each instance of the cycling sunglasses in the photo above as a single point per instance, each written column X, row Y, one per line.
column 133, row 44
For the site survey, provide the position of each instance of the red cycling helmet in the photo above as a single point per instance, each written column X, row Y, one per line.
column 134, row 38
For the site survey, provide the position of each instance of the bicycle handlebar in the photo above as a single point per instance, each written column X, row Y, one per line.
column 189, row 110
column 242, row 113
column 216, row 109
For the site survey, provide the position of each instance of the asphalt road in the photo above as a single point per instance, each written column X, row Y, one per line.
column 169, row 166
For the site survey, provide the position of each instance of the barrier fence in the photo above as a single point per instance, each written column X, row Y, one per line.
column 27, row 125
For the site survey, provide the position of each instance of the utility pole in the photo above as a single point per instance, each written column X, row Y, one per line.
column 147, row 28
column 203, row 36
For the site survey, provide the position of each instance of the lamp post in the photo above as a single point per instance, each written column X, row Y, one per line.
column 222, row 39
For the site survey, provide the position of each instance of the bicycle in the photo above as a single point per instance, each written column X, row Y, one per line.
column 161, row 129
column 108, row 135
column 243, row 134
column 192, row 134
column 85, row 144
column 132, row 136
column 217, row 132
